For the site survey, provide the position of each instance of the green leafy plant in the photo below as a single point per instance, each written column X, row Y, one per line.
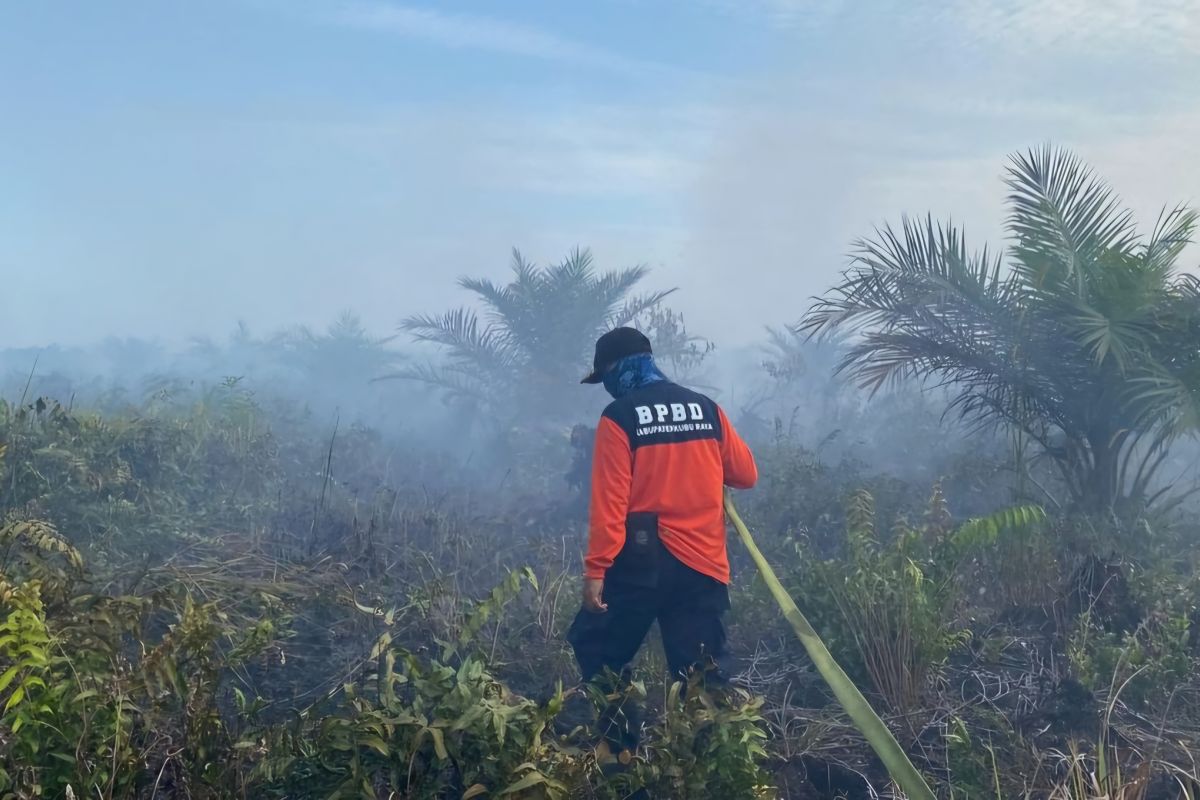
column 422, row 731
column 893, row 606
column 856, row 706
column 898, row 602
column 709, row 743
column 1080, row 345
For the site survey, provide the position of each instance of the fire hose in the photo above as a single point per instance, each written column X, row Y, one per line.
column 851, row 699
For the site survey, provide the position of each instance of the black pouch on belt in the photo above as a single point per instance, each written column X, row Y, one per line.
column 637, row 563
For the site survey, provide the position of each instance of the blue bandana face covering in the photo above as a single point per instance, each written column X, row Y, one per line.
column 632, row 372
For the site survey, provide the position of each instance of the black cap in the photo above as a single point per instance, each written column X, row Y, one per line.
column 612, row 347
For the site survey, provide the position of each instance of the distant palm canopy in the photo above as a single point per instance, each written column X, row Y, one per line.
column 531, row 342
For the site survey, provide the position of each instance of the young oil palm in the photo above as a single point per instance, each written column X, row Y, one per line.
column 534, row 338
column 1085, row 340
column 343, row 358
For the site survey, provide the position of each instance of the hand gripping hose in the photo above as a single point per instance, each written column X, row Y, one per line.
column 856, row 706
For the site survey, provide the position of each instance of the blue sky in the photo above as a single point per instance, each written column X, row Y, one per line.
column 169, row 168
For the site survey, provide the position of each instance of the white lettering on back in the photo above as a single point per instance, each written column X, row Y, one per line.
column 644, row 415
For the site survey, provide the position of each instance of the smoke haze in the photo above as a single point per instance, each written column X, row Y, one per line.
column 168, row 170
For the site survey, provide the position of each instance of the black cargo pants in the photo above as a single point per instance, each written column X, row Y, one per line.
column 688, row 606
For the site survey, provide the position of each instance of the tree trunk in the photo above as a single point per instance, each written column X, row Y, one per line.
column 1102, row 489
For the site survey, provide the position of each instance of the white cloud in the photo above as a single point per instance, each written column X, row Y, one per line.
column 1153, row 27
column 600, row 150
column 477, row 32
column 1148, row 27
column 593, row 151
column 801, row 12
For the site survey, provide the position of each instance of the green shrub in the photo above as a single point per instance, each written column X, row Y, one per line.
column 421, row 731
column 708, row 744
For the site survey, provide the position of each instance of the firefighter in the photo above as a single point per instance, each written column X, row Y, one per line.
column 656, row 539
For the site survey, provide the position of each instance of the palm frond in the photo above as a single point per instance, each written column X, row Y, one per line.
column 525, row 272
column 1103, row 337
column 921, row 272
column 460, row 331
column 498, row 297
column 635, row 307
column 613, row 289
column 575, row 270
column 985, row 531
column 454, row 382
column 1163, row 400
column 1087, row 344
column 1062, row 218
column 1172, row 234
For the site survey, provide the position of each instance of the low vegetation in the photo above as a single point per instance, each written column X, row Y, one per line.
column 212, row 590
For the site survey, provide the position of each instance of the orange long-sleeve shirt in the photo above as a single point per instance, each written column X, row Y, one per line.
column 668, row 450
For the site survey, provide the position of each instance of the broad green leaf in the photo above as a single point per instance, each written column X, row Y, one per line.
column 376, row 744
column 439, row 743
column 15, row 699
column 528, row 782
column 8, row 676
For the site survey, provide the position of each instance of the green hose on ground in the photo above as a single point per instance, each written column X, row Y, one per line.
column 856, row 706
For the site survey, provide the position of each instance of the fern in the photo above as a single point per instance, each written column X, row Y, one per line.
column 937, row 515
column 41, row 537
column 25, row 652
column 985, row 531
column 860, row 521
column 24, row 646
column 500, row 596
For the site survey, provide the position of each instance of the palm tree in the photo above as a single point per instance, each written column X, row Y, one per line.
column 1083, row 342
column 798, row 375
column 345, row 357
column 535, row 336
column 242, row 354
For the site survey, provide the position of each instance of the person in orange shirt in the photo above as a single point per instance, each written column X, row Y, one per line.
column 656, row 536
